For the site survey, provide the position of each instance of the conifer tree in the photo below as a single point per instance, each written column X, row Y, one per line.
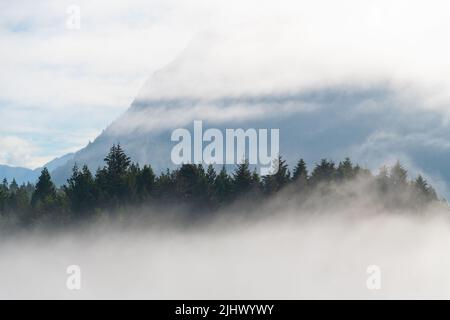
column 44, row 196
column 345, row 170
column 117, row 164
column 13, row 187
column 80, row 189
column 211, row 175
column 325, row 171
column 382, row 179
column 191, row 185
column 146, row 182
column 165, row 186
column 242, row 179
column 223, row 186
column 277, row 180
column 398, row 175
column 300, row 170
column 424, row 191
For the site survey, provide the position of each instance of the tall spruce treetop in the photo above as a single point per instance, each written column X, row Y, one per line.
column 222, row 186
column 345, row 169
column 117, row 162
column 13, row 187
column 80, row 189
column 398, row 175
column 113, row 177
column 4, row 185
column 426, row 192
column 300, row 170
column 382, row 179
column 242, row 178
column 146, row 181
column 281, row 176
column 325, row 171
column 191, row 184
column 45, row 189
column 211, row 174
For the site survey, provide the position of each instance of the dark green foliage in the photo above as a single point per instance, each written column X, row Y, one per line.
column 44, row 198
column 242, row 179
column 276, row 181
column 115, row 182
column 300, row 171
column 211, row 175
column 19, row 200
column 13, row 187
column 346, row 170
column 223, row 187
column 122, row 183
column 300, row 176
column 3, row 199
column 191, row 185
column 423, row 190
column 165, row 186
column 117, row 162
column 325, row 171
column 80, row 190
column 145, row 183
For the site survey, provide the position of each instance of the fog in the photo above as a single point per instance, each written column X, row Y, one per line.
column 286, row 248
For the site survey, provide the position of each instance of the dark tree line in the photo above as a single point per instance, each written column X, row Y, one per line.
column 121, row 183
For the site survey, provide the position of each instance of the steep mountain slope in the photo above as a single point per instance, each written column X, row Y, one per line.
column 225, row 82
column 363, row 124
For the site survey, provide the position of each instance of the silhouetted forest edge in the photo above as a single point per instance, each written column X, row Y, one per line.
column 201, row 192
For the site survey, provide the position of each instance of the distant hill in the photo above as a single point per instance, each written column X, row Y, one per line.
column 20, row 174
column 24, row 175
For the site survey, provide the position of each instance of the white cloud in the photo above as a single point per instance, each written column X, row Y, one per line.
column 303, row 45
column 76, row 82
column 19, row 152
column 159, row 118
column 79, row 81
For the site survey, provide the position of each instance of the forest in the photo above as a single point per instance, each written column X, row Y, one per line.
column 200, row 190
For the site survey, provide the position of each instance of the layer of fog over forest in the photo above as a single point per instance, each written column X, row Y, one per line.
column 281, row 247
column 370, row 79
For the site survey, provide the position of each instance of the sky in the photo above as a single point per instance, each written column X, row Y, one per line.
column 61, row 86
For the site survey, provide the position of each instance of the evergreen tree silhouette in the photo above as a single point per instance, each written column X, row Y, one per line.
column 146, row 182
column 276, row 181
column 223, row 187
column 117, row 164
column 242, row 179
column 345, row 170
column 398, row 176
column 325, row 171
column 80, row 189
column 44, row 196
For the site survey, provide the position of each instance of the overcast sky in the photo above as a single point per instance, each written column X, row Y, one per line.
column 59, row 87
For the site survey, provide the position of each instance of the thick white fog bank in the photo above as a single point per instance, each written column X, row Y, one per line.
column 295, row 256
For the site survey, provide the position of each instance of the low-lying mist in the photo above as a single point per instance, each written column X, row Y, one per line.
column 282, row 248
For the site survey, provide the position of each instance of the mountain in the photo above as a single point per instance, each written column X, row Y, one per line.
column 24, row 175
column 374, row 122
column 339, row 122
column 57, row 162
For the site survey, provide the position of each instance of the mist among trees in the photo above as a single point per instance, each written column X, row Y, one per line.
column 200, row 190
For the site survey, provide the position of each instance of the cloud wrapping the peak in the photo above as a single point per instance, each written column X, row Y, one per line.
column 303, row 45
column 79, row 81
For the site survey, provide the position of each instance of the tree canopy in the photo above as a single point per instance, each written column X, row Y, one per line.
column 123, row 183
